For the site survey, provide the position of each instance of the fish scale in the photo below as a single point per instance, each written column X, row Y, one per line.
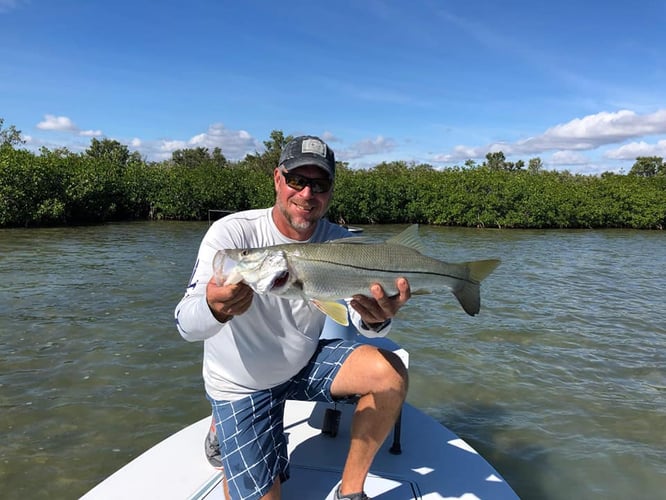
column 339, row 270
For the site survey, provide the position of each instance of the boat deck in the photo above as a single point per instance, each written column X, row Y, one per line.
column 434, row 463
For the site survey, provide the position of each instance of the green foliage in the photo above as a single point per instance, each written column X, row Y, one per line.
column 108, row 182
column 9, row 136
column 23, row 185
column 111, row 152
column 265, row 162
column 188, row 193
column 198, row 156
column 497, row 161
column 648, row 166
column 535, row 165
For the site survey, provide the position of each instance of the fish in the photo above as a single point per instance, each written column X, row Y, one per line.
column 325, row 273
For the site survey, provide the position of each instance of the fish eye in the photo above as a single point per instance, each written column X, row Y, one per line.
column 244, row 253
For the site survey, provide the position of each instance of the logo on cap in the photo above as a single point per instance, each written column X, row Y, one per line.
column 313, row 146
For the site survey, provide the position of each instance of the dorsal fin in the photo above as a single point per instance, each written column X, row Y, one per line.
column 353, row 240
column 408, row 238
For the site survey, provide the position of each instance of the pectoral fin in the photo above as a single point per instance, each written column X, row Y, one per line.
column 334, row 310
column 233, row 278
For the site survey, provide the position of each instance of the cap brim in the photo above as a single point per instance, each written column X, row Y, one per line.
column 303, row 161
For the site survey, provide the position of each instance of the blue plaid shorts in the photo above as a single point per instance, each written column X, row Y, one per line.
column 251, row 431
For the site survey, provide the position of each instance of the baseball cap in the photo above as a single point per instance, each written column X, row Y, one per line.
column 308, row 150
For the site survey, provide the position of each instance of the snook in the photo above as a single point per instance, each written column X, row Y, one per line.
column 326, row 272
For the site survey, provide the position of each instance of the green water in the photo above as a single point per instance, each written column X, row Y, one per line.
column 560, row 382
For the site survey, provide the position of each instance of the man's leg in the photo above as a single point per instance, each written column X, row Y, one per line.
column 380, row 379
column 252, row 444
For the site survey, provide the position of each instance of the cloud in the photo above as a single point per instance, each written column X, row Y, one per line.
column 568, row 158
column 593, row 131
column 633, row 150
column 91, row 133
column 367, row 147
column 58, row 123
column 65, row 124
column 329, row 137
column 235, row 144
column 579, row 134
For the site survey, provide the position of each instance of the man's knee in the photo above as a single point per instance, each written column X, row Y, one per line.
column 395, row 371
column 387, row 371
column 371, row 370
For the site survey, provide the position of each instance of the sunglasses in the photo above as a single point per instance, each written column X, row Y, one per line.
column 298, row 183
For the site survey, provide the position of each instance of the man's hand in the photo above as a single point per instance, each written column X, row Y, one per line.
column 377, row 309
column 226, row 301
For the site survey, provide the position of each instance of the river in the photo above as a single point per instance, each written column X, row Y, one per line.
column 560, row 381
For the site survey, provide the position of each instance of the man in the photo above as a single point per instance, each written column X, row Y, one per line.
column 260, row 350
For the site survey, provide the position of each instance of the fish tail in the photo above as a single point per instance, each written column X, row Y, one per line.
column 468, row 294
column 480, row 269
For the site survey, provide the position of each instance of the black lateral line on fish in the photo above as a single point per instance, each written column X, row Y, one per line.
column 336, row 263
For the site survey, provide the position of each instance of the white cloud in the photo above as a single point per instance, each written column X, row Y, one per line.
column 65, row 124
column 168, row 146
column 91, row 133
column 568, row 158
column 633, row 150
column 597, row 130
column 367, row 147
column 579, row 134
column 58, row 123
column 235, row 144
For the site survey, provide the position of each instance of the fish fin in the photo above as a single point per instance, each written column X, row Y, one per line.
column 233, row 278
column 421, row 291
column 408, row 238
column 353, row 240
column 480, row 269
column 469, row 293
column 469, row 297
column 334, row 310
column 225, row 269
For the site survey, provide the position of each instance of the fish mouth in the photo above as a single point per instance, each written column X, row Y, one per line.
column 280, row 280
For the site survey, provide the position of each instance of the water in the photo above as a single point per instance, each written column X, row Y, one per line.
column 560, row 382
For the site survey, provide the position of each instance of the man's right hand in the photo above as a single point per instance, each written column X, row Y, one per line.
column 227, row 301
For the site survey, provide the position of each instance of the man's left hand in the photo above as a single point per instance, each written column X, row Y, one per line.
column 378, row 308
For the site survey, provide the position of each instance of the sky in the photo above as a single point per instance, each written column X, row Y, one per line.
column 579, row 84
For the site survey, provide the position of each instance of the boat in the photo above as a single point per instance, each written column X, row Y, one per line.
column 421, row 460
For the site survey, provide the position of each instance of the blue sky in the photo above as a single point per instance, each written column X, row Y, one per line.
column 582, row 85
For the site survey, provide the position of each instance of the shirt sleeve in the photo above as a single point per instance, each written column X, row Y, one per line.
column 363, row 329
column 194, row 319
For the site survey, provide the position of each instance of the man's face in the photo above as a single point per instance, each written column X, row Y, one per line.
column 301, row 210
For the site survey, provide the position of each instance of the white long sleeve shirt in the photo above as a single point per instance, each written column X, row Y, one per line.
column 271, row 341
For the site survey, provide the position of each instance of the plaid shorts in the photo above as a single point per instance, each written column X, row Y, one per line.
column 251, row 431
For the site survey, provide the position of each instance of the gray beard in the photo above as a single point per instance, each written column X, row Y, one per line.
column 296, row 225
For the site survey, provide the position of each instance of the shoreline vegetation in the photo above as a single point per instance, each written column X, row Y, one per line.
column 107, row 182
